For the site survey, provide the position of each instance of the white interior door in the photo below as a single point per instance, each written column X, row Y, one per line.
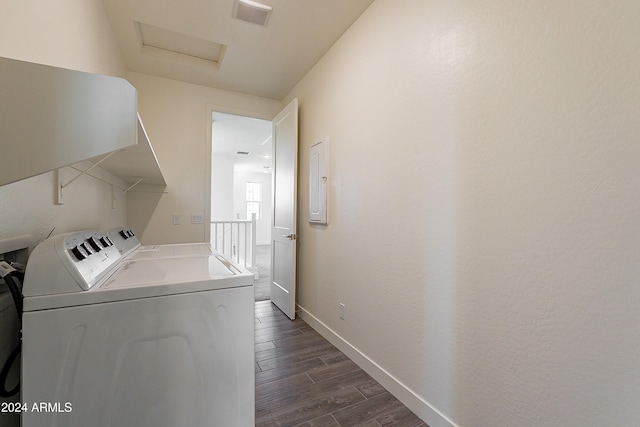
column 283, row 222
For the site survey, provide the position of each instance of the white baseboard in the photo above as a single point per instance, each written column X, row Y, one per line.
column 415, row 403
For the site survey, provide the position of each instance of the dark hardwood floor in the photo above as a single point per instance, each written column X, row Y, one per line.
column 303, row 380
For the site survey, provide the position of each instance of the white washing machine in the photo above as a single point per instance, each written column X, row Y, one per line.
column 112, row 341
column 129, row 246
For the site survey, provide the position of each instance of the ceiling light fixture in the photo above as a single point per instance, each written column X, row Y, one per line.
column 250, row 11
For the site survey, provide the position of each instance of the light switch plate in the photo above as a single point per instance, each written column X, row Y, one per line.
column 197, row 218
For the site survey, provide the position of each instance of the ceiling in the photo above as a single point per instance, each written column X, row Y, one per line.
column 265, row 61
column 231, row 134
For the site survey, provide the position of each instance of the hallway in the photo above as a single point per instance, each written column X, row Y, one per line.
column 263, row 264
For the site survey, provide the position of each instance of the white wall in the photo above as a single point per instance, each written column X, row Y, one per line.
column 177, row 117
column 484, row 193
column 72, row 34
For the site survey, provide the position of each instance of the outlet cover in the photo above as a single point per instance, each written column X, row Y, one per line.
column 341, row 310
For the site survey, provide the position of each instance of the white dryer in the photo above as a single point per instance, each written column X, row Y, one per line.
column 111, row 341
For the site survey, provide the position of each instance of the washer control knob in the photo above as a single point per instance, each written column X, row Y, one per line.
column 94, row 244
column 78, row 253
column 87, row 249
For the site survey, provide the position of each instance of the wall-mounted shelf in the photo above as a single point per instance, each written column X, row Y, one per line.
column 51, row 118
column 135, row 162
column 137, row 166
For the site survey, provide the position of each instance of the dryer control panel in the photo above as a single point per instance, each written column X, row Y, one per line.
column 124, row 239
column 69, row 263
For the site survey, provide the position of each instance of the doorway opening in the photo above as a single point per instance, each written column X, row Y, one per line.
column 241, row 191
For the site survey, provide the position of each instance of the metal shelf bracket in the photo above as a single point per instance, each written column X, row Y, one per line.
column 60, row 186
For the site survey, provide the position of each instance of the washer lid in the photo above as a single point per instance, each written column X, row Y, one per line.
column 151, row 272
column 172, row 251
column 135, row 279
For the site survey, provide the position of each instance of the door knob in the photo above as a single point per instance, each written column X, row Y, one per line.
column 290, row 236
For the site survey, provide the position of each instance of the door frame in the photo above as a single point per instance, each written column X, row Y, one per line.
column 209, row 110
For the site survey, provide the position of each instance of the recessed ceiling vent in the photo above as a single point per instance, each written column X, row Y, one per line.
column 250, row 11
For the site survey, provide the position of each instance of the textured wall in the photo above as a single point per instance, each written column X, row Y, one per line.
column 484, row 205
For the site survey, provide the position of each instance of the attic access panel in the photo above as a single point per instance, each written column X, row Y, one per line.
column 172, row 46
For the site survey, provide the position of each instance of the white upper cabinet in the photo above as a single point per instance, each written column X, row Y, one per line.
column 53, row 117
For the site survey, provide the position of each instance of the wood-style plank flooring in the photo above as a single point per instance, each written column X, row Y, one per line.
column 304, row 381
